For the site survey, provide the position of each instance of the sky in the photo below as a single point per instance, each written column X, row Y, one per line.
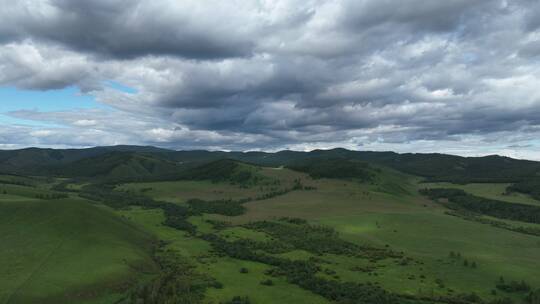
column 458, row 76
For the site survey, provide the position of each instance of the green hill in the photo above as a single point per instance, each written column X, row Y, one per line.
column 433, row 166
column 120, row 166
column 67, row 251
column 40, row 161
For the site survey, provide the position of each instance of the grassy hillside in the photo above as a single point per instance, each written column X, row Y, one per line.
column 67, row 251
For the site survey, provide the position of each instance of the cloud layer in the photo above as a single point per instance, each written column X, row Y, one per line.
column 451, row 76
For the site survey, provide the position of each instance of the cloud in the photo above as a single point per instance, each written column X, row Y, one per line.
column 278, row 74
column 126, row 29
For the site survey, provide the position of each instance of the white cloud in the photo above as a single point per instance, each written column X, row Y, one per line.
column 274, row 74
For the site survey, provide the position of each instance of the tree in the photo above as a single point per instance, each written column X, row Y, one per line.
column 533, row 297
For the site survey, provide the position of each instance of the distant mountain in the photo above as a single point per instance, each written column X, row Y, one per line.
column 39, row 161
column 442, row 167
column 433, row 166
column 141, row 160
column 120, row 166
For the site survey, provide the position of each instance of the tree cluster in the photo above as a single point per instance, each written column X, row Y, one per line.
column 459, row 199
column 176, row 282
column 51, row 196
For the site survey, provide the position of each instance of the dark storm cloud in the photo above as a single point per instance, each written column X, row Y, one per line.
column 419, row 15
column 274, row 74
column 128, row 29
column 532, row 11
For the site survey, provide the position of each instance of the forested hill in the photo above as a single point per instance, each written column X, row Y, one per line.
column 436, row 167
column 39, row 161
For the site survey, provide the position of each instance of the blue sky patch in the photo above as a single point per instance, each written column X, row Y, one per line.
column 120, row 87
column 13, row 99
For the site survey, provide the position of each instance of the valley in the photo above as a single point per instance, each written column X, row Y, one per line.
column 144, row 229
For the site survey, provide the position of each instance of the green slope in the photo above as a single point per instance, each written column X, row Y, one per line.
column 66, row 251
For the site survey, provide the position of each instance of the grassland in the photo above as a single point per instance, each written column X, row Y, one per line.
column 386, row 212
column 223, row 269
column 66, row 251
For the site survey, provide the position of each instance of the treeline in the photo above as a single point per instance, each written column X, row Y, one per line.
column 231, row 207
column 16, row 183
column 459, row 199
column 221, row 171
column 495, row 223
column 512, row 286
column 335, row 168
column 317, row 239
column 51, row 196
column 106, row 194
column 529, row 186
column 223, row 207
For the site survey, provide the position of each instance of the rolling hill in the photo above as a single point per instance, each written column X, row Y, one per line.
column 435, row 167
column 147, row 225
column 67, row 251
column 119, row 166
